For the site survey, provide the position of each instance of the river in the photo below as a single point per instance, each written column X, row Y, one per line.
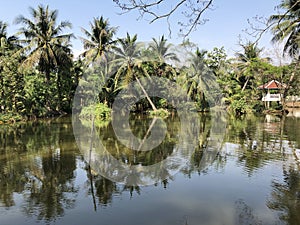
column 252, row 176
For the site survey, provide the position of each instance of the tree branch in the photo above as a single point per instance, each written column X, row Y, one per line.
column 192, row 10
column 257, row 31
column 196, row 22
column 169, row 13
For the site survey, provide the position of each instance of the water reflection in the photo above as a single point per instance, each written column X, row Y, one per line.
column 253, row 179
column 115, row 159
column 38, row 161
column 263, row 140
column 139, row 128
column 102, row 190
column 285, row 197
column 245, row 214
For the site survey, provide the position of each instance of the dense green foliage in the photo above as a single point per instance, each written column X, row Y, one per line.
column 39, row 74
column 99, row 111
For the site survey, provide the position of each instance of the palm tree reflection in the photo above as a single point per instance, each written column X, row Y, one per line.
column 285, row 196
column 36, row 164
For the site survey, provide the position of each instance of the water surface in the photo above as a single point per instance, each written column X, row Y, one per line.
column 253, row 179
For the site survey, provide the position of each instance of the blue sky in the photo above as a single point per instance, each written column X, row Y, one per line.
column 226, row 21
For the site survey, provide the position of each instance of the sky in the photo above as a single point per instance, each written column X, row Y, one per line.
column 226, row 22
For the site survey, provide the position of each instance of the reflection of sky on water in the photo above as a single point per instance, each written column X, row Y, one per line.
column 237, row 188
column 211, row 198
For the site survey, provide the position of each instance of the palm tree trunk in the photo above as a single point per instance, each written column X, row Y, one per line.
column 146, row 94
column 147, row 133
column 47, row 76
column 245, row 85
column 286, row 89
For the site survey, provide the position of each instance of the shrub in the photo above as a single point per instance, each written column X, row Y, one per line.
column 239, row 107
column 160, row 113
column 101, row 112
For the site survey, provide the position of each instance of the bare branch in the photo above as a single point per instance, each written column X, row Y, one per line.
column 257, row 31
column 192, row 10
column 196, row 21
column 134, row 5
column 169, row 13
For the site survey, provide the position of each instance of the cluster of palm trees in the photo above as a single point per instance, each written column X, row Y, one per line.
column 42, row 46
column 124, row 60
column 38, row 65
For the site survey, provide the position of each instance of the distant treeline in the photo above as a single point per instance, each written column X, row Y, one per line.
column 39, row 73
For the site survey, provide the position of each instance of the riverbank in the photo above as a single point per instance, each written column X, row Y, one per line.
column 10, row 118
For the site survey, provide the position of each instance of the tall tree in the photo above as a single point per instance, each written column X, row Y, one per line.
column 286, row 27
column 7, row 42
column 245, row 60
column 196, row 78
column 99, row 40
column 3, row 33
column 48, row 47
column 128, row 58
column 127, row 55
column 161, row 50
column 11, row 81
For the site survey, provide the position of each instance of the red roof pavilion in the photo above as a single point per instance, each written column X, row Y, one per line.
column 273, row 84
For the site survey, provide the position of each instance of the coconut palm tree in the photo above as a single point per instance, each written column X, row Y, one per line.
column 161, row 50
column 286, row 27
column 11, row 81
column 251, row 52
column 3, row 33
column 44, row 41
column 3, row 27
column 194, row 80
column 200, row 81
column 128, row 59
column 99, row 39
column 245, row 61
column 5, row 41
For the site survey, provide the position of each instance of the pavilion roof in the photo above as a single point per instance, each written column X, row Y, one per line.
column 273, row 84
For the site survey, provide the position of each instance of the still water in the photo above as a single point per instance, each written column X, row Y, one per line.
column 253, row 178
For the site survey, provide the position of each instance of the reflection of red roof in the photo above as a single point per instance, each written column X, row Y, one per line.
column 273, row 84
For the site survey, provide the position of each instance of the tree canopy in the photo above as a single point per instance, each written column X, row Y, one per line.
column 39, row 74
